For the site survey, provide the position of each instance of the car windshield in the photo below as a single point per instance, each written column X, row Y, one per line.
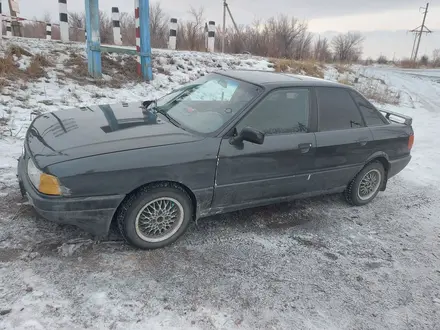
column 207, row 103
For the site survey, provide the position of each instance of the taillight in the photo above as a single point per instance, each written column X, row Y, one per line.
column 410, row 141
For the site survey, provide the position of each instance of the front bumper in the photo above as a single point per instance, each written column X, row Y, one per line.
column 92, row 214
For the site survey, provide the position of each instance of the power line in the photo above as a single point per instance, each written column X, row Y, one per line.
column 418, row 31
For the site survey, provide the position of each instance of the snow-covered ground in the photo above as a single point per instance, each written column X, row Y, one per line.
column 312, row 264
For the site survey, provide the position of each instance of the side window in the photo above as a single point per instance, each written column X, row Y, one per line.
column 337, row 110
column 280, row 112
column 369, row 112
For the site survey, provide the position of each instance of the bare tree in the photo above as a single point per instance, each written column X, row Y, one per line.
column 36, row 28
column 77, row 26
column 190, row 34
column 106, row 28
column 303, row 44
column 436, row 57
column 321, row 51
column 256, row 41
column 47, row 17
column 284, row 33
column 128, row 29
column 348, row 47
column 280, row 37
column 158, row 26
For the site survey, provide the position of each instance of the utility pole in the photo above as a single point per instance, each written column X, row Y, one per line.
column 418, row 33
column 224, row 26
column 226, row 8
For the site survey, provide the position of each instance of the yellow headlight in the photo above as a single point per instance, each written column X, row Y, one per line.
column 49, row 185
column 45, row 183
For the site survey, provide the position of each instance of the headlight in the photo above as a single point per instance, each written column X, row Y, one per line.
column 45, row 183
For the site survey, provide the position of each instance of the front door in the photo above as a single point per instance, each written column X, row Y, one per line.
column 249, row 173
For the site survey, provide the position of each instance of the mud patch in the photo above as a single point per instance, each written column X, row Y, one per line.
column 309, row 242
column 373, row 265
column 8, row 255
column 331, row 256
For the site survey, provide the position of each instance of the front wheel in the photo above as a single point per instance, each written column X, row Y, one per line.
column 366, row 185
column 155, row 216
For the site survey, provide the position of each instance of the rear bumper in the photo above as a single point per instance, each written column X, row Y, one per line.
column 92, row 214
column 397, row 165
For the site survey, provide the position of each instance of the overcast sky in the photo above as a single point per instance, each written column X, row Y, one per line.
column 323, row 16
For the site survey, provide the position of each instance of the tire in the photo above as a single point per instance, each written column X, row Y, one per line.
column 358, row 192
column 141, row 216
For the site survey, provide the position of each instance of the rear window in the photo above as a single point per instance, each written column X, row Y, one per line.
column 337, row 110
column 369, row 112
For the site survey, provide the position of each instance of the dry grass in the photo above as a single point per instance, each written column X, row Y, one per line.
column 35, row 69
column 345, row 81
column 3, row 125
column 9, row 71
column 408, row 64
column 42, row 60
column 7, row 66
column 379, row 93
column 78, row 65
column 308, row 68
column 343, row 68
column 121, row 70
column 17, row 51
column 37, row 65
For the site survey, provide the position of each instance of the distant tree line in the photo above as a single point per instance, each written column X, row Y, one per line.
column 279, row 37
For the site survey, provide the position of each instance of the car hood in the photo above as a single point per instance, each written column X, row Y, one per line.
column 81, row 132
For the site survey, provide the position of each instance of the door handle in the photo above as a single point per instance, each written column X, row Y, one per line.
column 363, row 143
column 304, row 147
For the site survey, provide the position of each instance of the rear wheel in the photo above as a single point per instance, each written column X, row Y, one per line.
column 366, row 185
column 155, row 216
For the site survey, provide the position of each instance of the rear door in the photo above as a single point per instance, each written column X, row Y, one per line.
column 280, row 167
column 344, row 143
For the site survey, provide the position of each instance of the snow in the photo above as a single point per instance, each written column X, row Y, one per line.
column 312, row 264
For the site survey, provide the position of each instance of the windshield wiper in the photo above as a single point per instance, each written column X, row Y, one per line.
column 152, row 106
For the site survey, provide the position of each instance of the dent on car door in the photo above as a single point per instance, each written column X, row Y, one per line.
column 250, row 173
column 344, row 143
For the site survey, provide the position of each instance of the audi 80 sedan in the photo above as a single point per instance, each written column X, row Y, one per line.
column 227, row 141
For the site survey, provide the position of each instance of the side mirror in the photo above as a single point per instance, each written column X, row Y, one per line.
column 248, row 134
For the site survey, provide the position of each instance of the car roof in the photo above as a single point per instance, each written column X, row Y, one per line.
column 271, row 78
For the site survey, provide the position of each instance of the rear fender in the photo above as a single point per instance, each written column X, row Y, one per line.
column 382, row 156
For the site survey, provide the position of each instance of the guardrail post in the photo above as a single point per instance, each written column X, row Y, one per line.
column 173, row 34
column 116, row 18
column 211, row 36
column 48, row 31
column 93, row 38
column 64, row 20
column 8, row 27
column 206, row 36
